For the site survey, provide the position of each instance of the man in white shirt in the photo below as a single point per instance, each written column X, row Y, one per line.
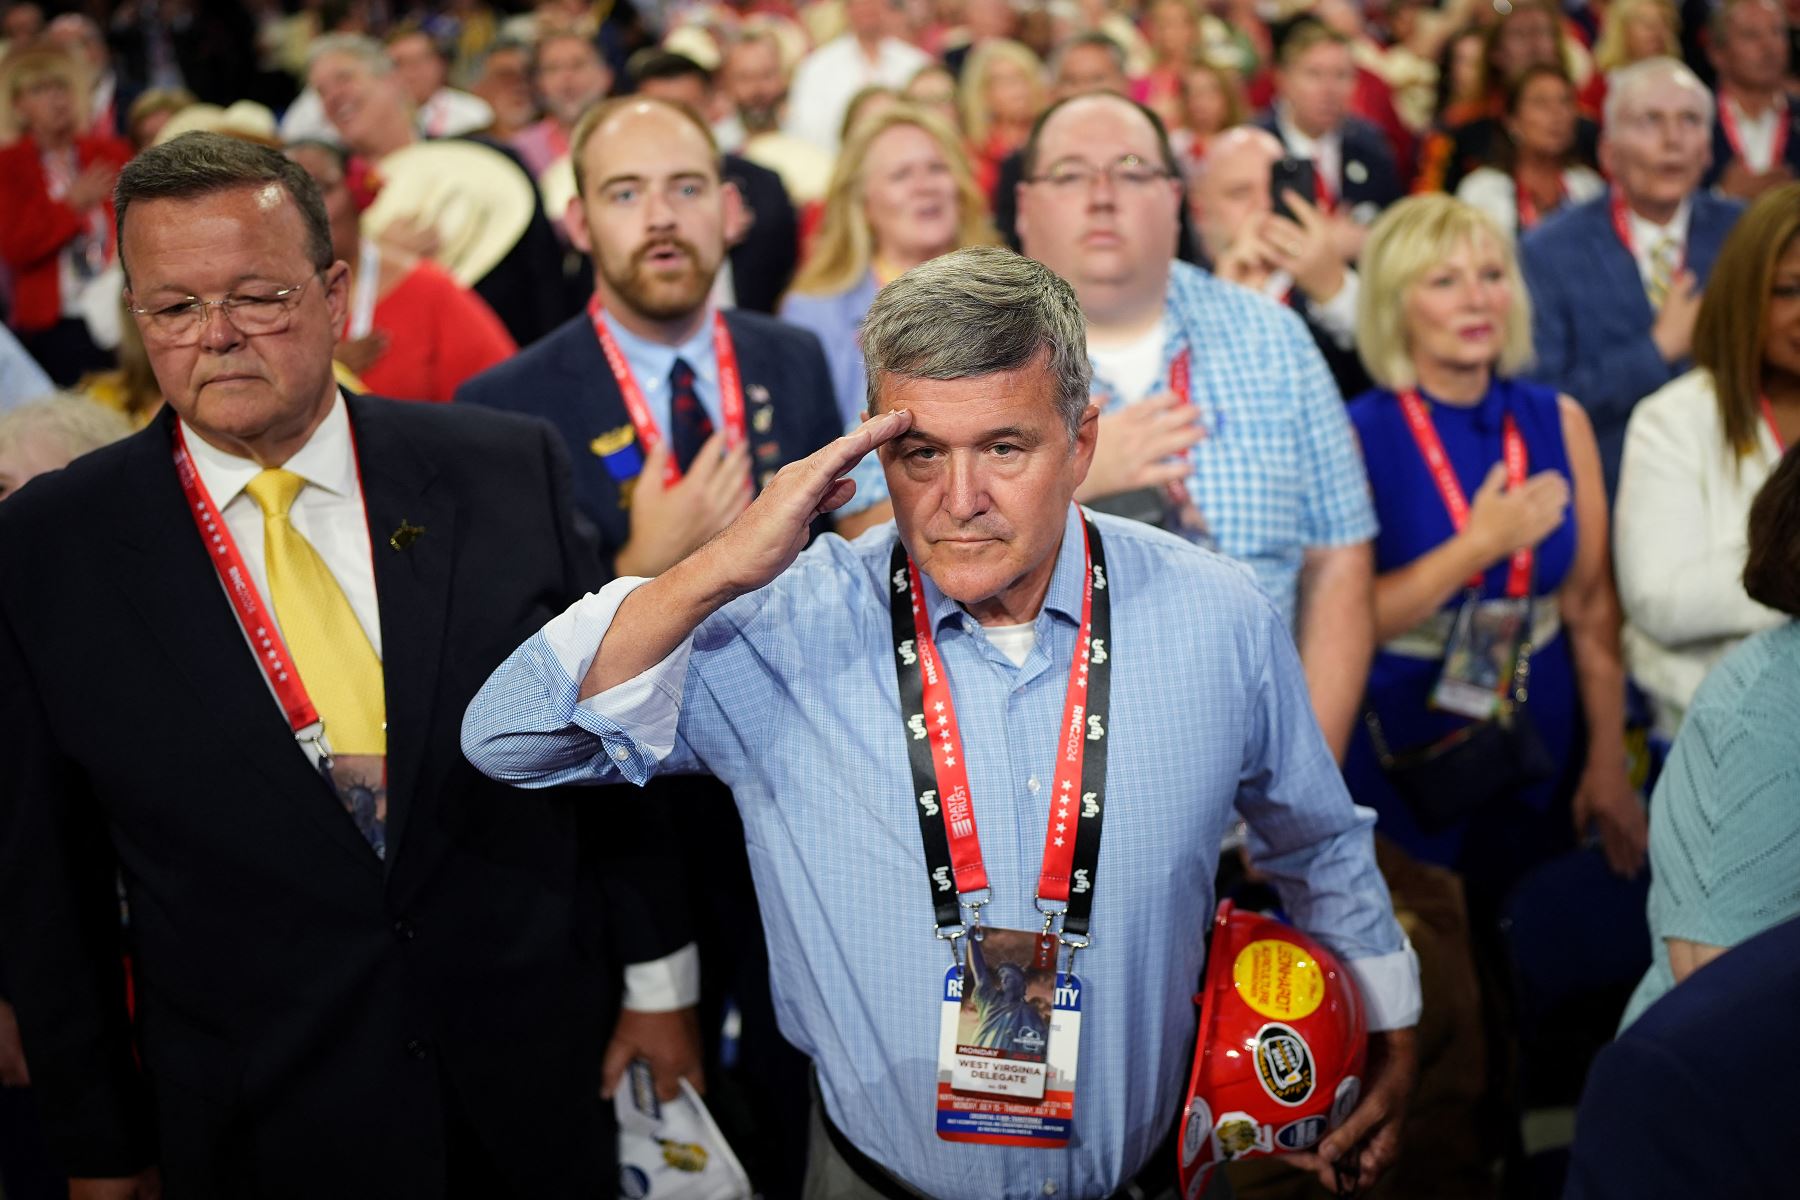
column 827, row 78
column 1753, row 146
column 443, row 111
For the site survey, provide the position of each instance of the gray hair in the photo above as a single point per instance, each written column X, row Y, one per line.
column 74, row 423
column 1625, row 84
column 974, row 312
column 365, row 50
column 199, row 164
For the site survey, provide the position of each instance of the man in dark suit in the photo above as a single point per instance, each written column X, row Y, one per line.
column 235, row 650
column 1615, row 282
column 1754, row 147
column 676, row 414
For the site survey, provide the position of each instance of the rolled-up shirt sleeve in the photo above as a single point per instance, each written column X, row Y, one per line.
column 528, row 727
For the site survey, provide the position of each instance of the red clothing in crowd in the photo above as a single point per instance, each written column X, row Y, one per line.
column 34, row 228
column 439, row 334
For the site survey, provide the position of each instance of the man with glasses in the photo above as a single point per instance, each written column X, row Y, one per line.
column 1220, row 419
column 234, row 652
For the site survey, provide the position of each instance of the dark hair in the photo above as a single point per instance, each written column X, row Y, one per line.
column 406, row 29
column 1028, row 156
column 1302, row 34
column 199, row 164
column 1505, row 154
column 1092, row 37
column 647, row 65
column 1772, row 570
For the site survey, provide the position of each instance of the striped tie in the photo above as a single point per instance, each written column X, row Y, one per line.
column 1664, row 256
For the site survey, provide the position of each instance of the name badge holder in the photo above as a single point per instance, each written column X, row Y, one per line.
column 1010, row 1019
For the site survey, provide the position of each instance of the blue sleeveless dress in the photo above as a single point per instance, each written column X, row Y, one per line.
column 1495, row 846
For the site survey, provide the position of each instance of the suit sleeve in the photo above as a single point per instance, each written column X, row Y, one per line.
column 1607, row 378
column 62, row 944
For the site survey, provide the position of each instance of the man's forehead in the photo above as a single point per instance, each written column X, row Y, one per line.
column 1669, row 93
column 653, row 142
column 1100, row 125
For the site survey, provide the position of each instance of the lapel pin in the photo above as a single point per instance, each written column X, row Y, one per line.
column 758, row 393
column 406, row 535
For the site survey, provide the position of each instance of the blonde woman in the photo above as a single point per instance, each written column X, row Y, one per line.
column 1003, row 91
column 1635, row 30
column 1512, row 519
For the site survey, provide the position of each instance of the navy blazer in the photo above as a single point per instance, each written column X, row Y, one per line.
column 1370, row 180
column 1722, row 153
column 565, row 379
column 1591, row 319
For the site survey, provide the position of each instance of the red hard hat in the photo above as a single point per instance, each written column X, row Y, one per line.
column 1279, row 1059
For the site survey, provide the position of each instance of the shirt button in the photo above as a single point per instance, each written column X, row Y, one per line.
column 1049, row 1187
column 404, row 930
column 418, row 1048
column 1033, row 784
column 621, row 753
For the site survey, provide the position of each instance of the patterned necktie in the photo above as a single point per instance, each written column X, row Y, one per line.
column 689, row 426
column 1663, row 258
column 325, row 641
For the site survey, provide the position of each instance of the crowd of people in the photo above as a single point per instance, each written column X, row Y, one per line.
column 1468, row 334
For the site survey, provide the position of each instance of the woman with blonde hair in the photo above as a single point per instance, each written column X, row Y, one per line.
column 1212, row 101
column 1002, row 93
column 1494, row 605
column 900, row 194
column 1635, row 30
column 1696, row 452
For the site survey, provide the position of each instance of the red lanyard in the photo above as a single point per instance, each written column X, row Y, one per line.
column 258, row 625
column 1528, row 210
column 1621, row 223
column 938, row 758
column 1768, row 413
column 1728, row 120
column 1181, row 372
column 731, row 387
column 1323, row 192
column 1431, row 448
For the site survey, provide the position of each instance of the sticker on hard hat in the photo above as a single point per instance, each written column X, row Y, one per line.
column 1278, row 979
column 1284, row 1064
column 1302, row 1134
column 1349, row 1091
column 1238, row 1134
column 1199, row 1128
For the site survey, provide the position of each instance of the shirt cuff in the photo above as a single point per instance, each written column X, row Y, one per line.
column 664, row 984
column 1390, row 988
column 1337, row 316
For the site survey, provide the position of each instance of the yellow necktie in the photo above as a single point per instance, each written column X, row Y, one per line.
column 325, row 641
column 1662, row 270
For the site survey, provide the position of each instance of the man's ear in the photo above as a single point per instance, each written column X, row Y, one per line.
column 575, row 224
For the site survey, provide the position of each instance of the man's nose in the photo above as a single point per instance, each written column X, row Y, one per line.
column 965, row 492
column 216, row 330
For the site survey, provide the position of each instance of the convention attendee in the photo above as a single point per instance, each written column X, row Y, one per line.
column 826, row 79
column 47, row 435
column 503, row 82
column 357, row 967
column 424, row 70
column 1753, row 142
column 1724, row 836
column 109, row 97
column 1212, row 101
column 1536, row 171
column 1633, row 31
column 1493, row 583
column 979, row 378
column 1616, row 282
column 1173, row 28
column 570, row 77
column 1003, row 91
column 56, row 182
column 1697, row 451
column 151, row 111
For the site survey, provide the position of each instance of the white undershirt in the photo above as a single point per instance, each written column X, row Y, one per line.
column 1014, row 641
column 1756, row 135
column 1133, row 369
column 1646, row 234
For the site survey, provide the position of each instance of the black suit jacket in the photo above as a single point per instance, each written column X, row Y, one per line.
column 763, row 263
column 565, row 379
column 307, row 1015
column 1370, row 180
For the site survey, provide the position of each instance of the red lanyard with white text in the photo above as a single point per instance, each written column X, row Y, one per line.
column 1735, row 138
column 731, row 387
column 940, row 772
column 1431, row 448
column 253, row 616
column 1621, row 223
column 1768, row 415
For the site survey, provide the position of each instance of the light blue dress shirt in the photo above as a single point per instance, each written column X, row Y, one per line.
column 21, row 379
column 788, row 694
column 651, row 363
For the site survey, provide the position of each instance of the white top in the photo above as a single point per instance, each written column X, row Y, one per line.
column 827, row 78
column 1496, row 193
column 449, row 113
column 1756, row 136
column 1014, row 641
column 1336, row 316
column 1133, row 369
column 1646, row 235
column 1679, row 541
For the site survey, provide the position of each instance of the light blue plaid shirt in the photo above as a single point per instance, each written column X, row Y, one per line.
column 1278, row 471
column 788, row 694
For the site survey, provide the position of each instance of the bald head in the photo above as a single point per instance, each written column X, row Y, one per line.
column 1231, row 188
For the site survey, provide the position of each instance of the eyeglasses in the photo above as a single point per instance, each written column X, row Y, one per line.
column 1130, row 173
column 251, row 313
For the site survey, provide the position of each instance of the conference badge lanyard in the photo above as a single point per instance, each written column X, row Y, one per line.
column 358, row 780
column 1768, row 416
column 1728, row 121
column 1010, row 1020
column 622, row 451
column 1529, row 215
column 1487, row 636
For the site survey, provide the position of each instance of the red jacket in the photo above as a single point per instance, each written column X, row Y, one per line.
column 34, row 228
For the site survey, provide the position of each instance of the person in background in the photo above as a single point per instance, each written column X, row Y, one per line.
column 425, row 333
column 866, row 105
column 130, row 389
column 1696, row 452
column 21, row 379
column 753, row 81
column 1293, row 260
column 109, row 97
column 1003, row 91
column 1754, row 141
column 1724, row 829
column 424, row 71
column 933, row 88
column 152, row 110
column 1632, row 31
column 570, row 77
column 1212, row 101
column 826, row 79
column 1520, row 515
column 56, row 234
column 50, row 433
column 1173, row 27
column 503, row 82
column 1536, row 171
column 1616, row 282
column 901, row 194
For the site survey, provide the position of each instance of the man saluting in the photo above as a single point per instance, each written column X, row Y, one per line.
column 1104, row 672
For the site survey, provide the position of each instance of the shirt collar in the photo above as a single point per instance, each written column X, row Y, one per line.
column 1068, row 582
column 1299, row 144
column 650, row 361
column 327, row 460
column 1644, row 234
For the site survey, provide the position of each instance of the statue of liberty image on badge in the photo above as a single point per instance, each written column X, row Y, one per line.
column 1003, row 1035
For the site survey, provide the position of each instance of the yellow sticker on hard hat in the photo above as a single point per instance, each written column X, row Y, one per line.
column 1278, row 979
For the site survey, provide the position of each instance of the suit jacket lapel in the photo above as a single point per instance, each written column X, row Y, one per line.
column 168, row 577
column 412, row 536
column 1616, row 266
column 763, row 381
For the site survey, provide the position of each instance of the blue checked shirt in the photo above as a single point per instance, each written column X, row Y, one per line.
column 1278, row 471
column 789, row 695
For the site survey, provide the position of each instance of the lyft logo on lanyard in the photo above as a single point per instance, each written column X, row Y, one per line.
column 1010, row 1022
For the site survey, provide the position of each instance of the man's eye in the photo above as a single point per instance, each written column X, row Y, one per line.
column 1005, row 449
column 922, row 454
column 622, row 195
column 176, row 310
column 253, row 301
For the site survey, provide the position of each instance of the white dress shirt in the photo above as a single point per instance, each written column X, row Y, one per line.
column 826, row 79
column 1646, row 234
column 1756, row 135
column 1326, row 153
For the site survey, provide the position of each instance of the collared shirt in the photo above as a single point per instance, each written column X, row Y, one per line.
column 1756, row 135
column 1326, row 153
column 1647, row 235
column 650, row 363
column 788, row 694
column 827, row 79
column 541, row 144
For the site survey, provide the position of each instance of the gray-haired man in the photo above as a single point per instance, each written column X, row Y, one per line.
column 1094, row 659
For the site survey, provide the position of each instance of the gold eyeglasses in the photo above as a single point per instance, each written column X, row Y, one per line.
column 251, row 313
